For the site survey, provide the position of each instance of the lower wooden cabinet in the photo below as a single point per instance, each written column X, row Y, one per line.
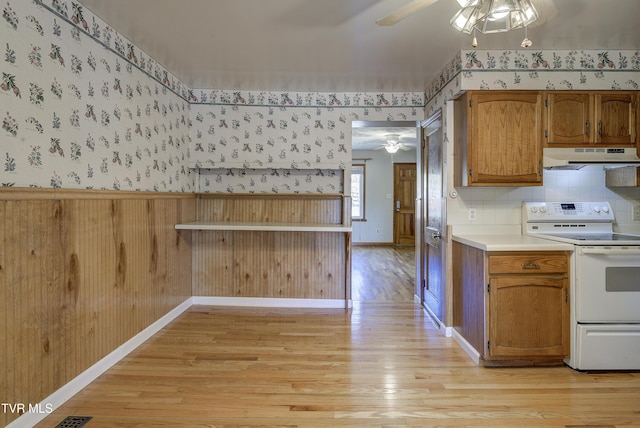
column 512, row 307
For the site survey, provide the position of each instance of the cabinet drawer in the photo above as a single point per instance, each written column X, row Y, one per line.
column 528, row 264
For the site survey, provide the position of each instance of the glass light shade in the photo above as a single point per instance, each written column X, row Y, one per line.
column 392, row 148
column 393, row 143
column 493, row 16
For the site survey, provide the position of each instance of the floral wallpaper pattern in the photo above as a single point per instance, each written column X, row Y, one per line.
column 535, row 70
column 83, row 108
column 284, row 142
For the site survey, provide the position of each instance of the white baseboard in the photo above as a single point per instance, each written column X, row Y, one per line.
column 466, row 346
column 265, row 302
column 71, row 388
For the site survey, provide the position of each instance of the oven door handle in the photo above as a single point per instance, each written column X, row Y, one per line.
column 611, row 251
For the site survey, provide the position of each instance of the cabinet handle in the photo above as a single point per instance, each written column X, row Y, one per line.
column 530, row 266
column 588, row 125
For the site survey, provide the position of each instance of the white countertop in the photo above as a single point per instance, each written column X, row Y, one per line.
column 510, row 242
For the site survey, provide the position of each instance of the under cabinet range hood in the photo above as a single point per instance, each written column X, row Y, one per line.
column 576, row 158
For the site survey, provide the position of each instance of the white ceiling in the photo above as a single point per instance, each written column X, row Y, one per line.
column 335, row 45
column 374, row 137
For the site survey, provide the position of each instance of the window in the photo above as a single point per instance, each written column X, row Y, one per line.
column 357, row 192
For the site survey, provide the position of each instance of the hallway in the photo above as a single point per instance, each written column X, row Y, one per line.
column 383, row 274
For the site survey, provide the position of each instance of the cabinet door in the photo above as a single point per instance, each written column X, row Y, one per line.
column 528, row 316
column 617, row 120
column 505, row 138
column 569, row 118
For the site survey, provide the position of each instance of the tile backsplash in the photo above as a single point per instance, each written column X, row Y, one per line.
column 502, row 206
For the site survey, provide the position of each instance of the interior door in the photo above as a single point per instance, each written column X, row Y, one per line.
column 404, row 217
column 434, row 232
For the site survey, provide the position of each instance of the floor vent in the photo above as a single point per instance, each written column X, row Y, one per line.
column 74, row 422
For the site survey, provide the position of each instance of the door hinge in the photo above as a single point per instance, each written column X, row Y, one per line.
column 470, row 173
column 488, row 344
column 470, row 103
column 566, row 295
column 546, row 102
column 489, row 288
column 546, row 133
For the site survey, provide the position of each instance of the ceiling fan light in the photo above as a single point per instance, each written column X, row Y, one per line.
column 494, row 16
column 393, row 143
column 392, row 148
column 393, row 138
column 466, row 19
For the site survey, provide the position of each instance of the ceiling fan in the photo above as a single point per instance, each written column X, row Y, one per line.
column 546, row 9
column 393, row 143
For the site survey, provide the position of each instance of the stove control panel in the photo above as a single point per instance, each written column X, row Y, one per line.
column 567, row 212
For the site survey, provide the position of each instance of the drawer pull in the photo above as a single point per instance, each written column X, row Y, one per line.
column 530, row 266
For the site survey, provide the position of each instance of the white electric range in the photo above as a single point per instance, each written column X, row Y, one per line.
column 605, row 281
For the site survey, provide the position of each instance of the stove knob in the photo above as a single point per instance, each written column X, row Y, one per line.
column 534, row 210
column 543, row 210
column 605, row 209
column 596, row 209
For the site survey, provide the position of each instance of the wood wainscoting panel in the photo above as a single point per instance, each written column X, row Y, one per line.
column 307, row 265
column 80, row 276
column 272, row 208
column 267, row 264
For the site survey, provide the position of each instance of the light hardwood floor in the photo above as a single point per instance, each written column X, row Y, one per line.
column 381, row 364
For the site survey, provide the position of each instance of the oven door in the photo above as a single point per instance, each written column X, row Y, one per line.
column 607, row 284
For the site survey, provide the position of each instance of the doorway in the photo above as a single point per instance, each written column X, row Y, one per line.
column 432, row 248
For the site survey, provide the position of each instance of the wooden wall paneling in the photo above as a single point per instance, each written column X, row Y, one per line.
column 186, row 211
column 270, row 264
column 11, row 267
column 268, row 208
column 47, row 222
column 76, row 282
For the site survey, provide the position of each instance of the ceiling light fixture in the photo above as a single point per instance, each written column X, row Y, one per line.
column 393, row 143
column 493, row 16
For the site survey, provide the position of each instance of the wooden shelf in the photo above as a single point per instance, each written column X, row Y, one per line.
column 264, row 227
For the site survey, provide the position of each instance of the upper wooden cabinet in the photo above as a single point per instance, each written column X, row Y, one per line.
column 569, row 118
column 576, row 118
column 498, row 138
column 616, row 115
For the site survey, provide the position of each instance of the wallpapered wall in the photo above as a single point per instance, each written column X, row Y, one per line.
column 83, row 108
column 532, row 70
column 248, row 142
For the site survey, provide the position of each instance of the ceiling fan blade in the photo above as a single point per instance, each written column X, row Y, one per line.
column 546, row 9
column 403, row 12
